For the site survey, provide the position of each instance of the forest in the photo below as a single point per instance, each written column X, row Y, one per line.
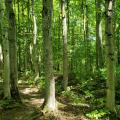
column 59, row 59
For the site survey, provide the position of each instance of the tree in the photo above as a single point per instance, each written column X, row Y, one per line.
column 1, row 52
column 99, row 51
column 50, row 102
column 5, row 43
column 13, row 50
column 65, row 51
column 110, row 55
column 34, row 45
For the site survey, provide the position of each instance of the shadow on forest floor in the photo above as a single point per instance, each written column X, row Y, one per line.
column 30, row 109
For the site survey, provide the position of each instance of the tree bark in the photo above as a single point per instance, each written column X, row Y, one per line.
column 13, row 50
column 35, row 46
column 5, row 42
column 110, row 58
column 65, row 51
column 99, row 52
column 50, row 102
column 1, row 51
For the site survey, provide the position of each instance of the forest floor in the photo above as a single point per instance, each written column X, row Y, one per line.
column 30, row 109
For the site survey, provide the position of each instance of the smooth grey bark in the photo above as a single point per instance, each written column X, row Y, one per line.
column 13, row 50
column 99, row 47
column 65, row 51
column 5, row 43
column 110, row 55
column 50, row 102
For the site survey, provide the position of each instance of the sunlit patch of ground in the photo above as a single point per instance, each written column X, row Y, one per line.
column 34, row 101
column 33, row 96
column 29, row 90
column 31, row 108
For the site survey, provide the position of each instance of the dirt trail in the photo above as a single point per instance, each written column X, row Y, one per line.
column 31, row 108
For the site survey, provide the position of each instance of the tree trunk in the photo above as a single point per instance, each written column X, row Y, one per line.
column 5, row 42
column 50, row 102
column 13, row 50
column 34, row 46
column 87, row 70
column 1, row 60
column 1, row 52
column 18, row 31
column 65, row 52
column 6, row 73
column 110, row 58
column 99, row 52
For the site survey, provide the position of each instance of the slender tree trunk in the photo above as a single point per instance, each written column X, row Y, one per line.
column 60, row 66
column 85, row 37
column 25, row 43
column 29, row 65
column 86, row 40
column 1, row 52
column 65, row 52
column 13, row 50
column 18, row 31
column 118, row 46
column 110, row 58
column 87, row 43
column 50, row 102
column 34, row 50
column 59, row 44
column 72, row 66
column 99, row 52
column 1, row 60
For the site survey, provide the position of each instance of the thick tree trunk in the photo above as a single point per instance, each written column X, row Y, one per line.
column 50, row 102
column 110, row 58
column 6, row 73
column 13, row 50
column 5, row 42
column 65, row 52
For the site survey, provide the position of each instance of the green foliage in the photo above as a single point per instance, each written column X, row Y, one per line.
column 118, row 111
column 71, row 96
column 101, row 74
column 84, row 86
column 99, row 102
column 97, row 114
column 58, row 88
column 88, row 94
column 8, row 104
column 41, row 83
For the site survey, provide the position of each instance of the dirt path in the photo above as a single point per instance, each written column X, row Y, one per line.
column 31, row 108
